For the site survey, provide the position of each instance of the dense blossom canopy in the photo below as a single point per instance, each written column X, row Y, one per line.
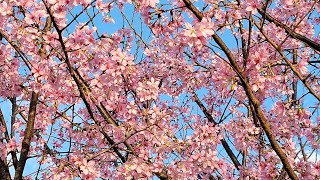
column 159, row 89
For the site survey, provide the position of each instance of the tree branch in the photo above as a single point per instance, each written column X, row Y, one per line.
column 292, row 67
column 4, row 171
column 290, row 32
column 27, row 137
column 223, row 141
column 247, row 87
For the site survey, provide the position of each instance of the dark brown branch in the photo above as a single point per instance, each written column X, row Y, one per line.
column 4, row 171
column 31, row 118
column 294, row 83
column 244, row 158
column 6, row 135
column 17, row 49
column 290, row 32
column 316, row 61
column 3, row 123
column 13, row 119
column 84, row 91
column 255, row 102
column 81, row 86
column 292, row 67
column 244, row 45
column 27, row 136
column 162, row 175
column 13, row 114
column 223, row 141
column 77, row 15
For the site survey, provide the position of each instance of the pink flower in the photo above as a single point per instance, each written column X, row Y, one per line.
column 11, row 146
column 87, row 167
column 149, row 3
column 4, row 9
column 37, row 71
column 35, row 16
column 52, row 1
column 302, row 65
column 88, row 170
column 253, row 6
column 148, row 89
column 288, row 2
column 197, row 35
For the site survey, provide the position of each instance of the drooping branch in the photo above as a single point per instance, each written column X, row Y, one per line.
column 248, row 90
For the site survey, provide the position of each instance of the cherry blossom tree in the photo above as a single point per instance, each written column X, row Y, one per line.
column 156, row 89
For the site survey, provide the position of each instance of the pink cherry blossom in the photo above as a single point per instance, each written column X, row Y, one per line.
column 149, row 89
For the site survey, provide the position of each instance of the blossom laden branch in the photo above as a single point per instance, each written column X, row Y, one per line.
column 115, row 103
column 223, row 141
column 304, row 80
column 256, row 104
column 290, row 32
